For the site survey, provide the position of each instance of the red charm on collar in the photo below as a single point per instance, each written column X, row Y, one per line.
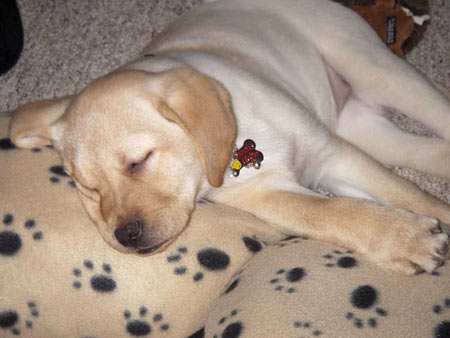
column 247, row 156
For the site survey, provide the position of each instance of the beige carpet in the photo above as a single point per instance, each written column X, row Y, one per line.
column 70, row 42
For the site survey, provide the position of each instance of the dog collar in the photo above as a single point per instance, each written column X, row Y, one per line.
column 247, row 156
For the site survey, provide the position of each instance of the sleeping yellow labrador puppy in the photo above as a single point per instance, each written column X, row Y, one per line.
column 252, row 103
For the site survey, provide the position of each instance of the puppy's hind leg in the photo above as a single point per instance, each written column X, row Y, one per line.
column 383, row 79
column 376, row 75
column 366, row 128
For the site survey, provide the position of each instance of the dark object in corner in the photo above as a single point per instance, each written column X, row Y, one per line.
column 11, row 35
column 387, row 18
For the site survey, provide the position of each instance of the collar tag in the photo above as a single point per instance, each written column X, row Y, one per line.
column 247, row 156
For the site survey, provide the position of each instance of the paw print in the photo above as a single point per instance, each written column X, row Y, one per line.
column 6, row 144
column 10, row 319
column 337, row 259
column 443, row 328
column 211, row 259
column 235, row 280
column 58, row 172
column 292, row 276
column 233, row 285
column 233, row 329
column 252, row 244
column 364, row 298
column 141, row 327
column 10, row 240
column 102, row 283
column 308, row 327
column 290, row 240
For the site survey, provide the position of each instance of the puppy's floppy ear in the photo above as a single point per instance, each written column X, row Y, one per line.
column 36, row 124
column 202, row 108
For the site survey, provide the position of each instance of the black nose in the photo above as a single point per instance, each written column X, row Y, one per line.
column 130, row 233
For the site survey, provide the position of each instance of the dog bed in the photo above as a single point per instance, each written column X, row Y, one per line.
column 228, row 274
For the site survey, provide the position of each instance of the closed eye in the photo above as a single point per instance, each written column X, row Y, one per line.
column 134, row 167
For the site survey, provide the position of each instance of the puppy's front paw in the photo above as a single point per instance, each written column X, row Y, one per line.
column 446, row 230
column 414, row 244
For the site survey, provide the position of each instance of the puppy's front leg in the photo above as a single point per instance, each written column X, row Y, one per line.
column 392, row 238
column 351, row 172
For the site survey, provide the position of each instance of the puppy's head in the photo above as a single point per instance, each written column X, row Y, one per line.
column 139, row 146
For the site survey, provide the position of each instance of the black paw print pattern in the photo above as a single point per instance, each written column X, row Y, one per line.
column 442, row 329
column 142, row 326
column 306, row 329
column 10, row 319
column 292, row 277
column 102, row 283
column 211, row 259
column 10, row 240
column 290, row 240
column 235, row 280
column 341, row 260
column 365, row 297
column 233, row 329
column 57, row 173
column 198, row 334
column 7, row 145
column 232, row 285
column 252, row 244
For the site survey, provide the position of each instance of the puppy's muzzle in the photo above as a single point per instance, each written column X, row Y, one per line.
column 130, row 234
